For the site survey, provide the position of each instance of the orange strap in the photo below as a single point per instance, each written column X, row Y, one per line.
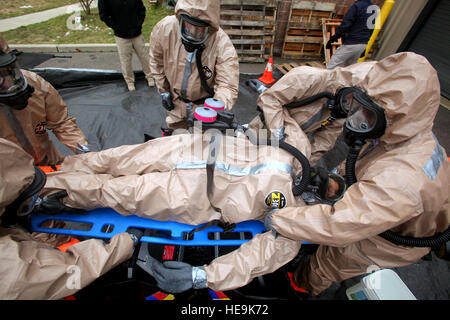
column 64, row 246
column 296, row 288
column 48, row 169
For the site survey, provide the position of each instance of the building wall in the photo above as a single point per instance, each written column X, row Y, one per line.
column 400, row 21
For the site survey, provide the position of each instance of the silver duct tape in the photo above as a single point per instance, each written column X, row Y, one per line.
column 199, row 278
column 279, row 133
column 431, row 169
column 187, row 73
column 237, row 171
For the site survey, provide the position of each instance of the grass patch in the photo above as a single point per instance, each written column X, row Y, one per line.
column 11, row 8
column 55, row 31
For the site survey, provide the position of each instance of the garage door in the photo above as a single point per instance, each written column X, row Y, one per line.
column 433, row 42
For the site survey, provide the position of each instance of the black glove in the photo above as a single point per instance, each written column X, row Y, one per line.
column 320, row 180
column 332, row 40
column 327, row 187
column 135, row 235
column 166, row 100
column 82, row 148
column 52, row 204
column 176, row 277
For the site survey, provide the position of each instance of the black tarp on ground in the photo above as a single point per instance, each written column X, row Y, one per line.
column 111, row 116
column 30, row 60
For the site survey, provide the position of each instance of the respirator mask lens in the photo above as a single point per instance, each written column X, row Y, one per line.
column 360, row 118
column 11, row 80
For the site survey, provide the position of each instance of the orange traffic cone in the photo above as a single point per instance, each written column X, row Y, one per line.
column 267, row 78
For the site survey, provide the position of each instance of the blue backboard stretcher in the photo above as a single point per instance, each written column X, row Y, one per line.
column 99, row 218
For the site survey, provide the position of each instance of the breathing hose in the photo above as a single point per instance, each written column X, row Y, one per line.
column 306, row 168
column 434, row 242
column 428, row 242
column 353, row 153
column 310, row 100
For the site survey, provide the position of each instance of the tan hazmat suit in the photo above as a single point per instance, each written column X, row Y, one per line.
column 4, row 45
column 31, row 269
column 45, row 110
column 166, row 179
column 403, row 182
column 172, row 72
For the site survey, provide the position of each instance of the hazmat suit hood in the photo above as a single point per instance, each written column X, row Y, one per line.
column 16, row 172
column 407, row 87
column 206, row 10
column 402, row 84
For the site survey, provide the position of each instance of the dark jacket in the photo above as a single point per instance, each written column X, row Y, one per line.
column 354, row 27
column 125, row 17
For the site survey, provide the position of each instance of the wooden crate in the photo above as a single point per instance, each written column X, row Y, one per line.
column 270, row 26
column 304, row 36
column 286, row 67
column 329, row 27
column 244, row 22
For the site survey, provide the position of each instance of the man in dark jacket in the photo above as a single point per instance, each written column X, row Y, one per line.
column 355, row 31
column 126, row 17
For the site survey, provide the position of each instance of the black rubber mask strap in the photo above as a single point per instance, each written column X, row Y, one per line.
column 198, row 59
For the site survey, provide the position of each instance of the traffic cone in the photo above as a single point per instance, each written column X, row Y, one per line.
column 267, row 78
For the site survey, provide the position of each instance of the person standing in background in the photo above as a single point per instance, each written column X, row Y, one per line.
column 126, row 17
column 355, row 33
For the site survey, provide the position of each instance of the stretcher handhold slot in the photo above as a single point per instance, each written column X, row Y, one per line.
column 106, row 223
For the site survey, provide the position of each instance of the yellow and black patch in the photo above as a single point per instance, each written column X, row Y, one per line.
column 275, row 200
column 207, row 71
column 40, row 128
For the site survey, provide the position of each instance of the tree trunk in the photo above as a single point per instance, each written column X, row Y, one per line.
column 86, row 5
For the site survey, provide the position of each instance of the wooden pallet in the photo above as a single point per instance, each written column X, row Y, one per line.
column 329, row 27
column 244, row 22
column 270, row 27
column 286, row 67
column 304, row 36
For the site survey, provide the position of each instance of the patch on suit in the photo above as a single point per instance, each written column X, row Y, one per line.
column 40, row 128
column 207, row 71
column 275, row 200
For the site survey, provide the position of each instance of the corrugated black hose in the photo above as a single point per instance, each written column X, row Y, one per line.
column 306, row 168
column 429, row 242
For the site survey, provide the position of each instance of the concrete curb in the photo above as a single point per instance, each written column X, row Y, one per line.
column 65, row 48
column 40, row 16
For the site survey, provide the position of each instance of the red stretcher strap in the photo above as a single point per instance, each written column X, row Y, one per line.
column 66, row 245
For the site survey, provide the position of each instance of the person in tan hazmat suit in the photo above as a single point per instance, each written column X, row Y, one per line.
column 192, row 58
column 29, row 106
column 401, row 176
column 31, row 269
column 4, row 45
column 165, row 179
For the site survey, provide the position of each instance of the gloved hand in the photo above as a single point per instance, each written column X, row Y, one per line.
column 268, row 222
column 166, row 100
column 135, row 235
column 320, row 181
column 52, row 204
column 257, row 85
column 332, row 40
column 176, row 276
column 82, row 148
